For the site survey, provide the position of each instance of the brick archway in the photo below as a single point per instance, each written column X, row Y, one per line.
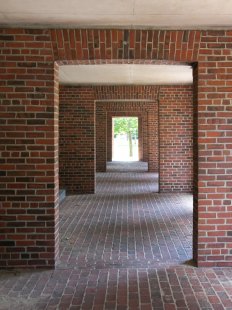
column 29, row 143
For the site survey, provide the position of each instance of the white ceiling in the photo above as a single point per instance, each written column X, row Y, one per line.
column 117, row 13
column 125, row 74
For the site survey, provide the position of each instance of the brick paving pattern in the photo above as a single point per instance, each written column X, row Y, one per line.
column 130, row 166
column 126, row 247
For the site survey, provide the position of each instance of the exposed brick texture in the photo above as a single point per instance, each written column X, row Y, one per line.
column 125, row 92
column 195, row 160
column 101, row 138
column 28, row 150
column 109, row 137
column 77, row 140
column 176, row 138
column 142, row 137
column 29, row 139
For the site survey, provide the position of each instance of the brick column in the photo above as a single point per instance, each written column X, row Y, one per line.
column 101, row 138
column 195, row 163
column 145, row 137
column 110, row 135
column 214, row 167
column 140, row 137
column 77, row 140
column 28, row 151
column 176, row 139
column 153, row 138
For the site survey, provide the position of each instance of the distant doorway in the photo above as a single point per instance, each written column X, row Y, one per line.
column 125, row 139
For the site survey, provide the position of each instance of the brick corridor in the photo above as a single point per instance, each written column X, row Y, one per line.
column 123, row 248
column 126, row 223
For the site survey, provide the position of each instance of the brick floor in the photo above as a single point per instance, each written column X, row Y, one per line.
column 125, row 247
column 131, row 166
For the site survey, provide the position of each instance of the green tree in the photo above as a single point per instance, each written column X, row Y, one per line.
column 128, row 126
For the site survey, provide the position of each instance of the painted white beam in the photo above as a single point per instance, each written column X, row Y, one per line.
column 125, row 74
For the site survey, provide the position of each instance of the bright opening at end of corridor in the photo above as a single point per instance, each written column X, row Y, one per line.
column 125, row 139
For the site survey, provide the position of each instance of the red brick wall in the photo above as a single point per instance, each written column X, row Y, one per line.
column 141, row 136
column 195, row 166
column 27, row 82
column 28, row 150
column 77, row 140
column 176, row 138
column 101, row 138
column 214, row 149
column 143, row 92
column 110, row 134
column 144, row 128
